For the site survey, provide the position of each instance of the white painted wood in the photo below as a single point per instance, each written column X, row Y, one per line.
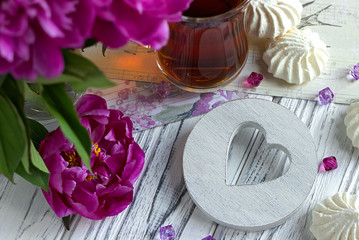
column 161, row 196
column 248, row 207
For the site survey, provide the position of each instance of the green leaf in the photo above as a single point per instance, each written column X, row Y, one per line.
column 14, row 89
column 32, row 94
column 37, row 132
column 66, row 221
column 63, row 109
column 25, row 159
column 63, row 78
column 36, row 177
column 37, row 160
column 2, row 79
column 13, row 137
column 84, row 69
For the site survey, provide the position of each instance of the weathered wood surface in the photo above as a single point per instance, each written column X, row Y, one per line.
column 161, row 197
column 252, row 207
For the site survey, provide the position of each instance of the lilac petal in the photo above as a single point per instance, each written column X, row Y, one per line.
column 47, row 66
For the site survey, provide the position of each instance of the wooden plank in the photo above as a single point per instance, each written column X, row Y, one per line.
column 25, row 213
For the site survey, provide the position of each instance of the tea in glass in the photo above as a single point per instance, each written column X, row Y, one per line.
column 208, row 48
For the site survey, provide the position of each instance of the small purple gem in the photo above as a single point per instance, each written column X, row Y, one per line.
column 355, row 71
column 167, row 233
column 209, row 237
column 254, row 79
column 329, row 163
column 326, row 96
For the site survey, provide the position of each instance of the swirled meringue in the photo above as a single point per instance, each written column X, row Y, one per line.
column 272, row 18
column 336, row 218
column 351, row 121
column 296, row 57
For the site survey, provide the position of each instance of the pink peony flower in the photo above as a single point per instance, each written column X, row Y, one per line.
column 143, row 21
column 32, row 33
column 116, row 162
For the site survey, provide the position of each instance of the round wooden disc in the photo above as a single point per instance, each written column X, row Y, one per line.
column 248, row 207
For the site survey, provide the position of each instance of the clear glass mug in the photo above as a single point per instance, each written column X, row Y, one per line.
column 208, row 48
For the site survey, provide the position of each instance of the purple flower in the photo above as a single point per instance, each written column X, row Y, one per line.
column 116, row 161
column 140, row 20
column 32, row 34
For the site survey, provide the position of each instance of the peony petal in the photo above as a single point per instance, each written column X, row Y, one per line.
column 97, row 133
column 77, row 174
column 108, row 33
column 135, row 162
column 50, row 27
column 153, row 31
column 68, row 187
column 25, row 71
column 89, row 102
column 50, row 144
column 116, row 162
column 57, row 204
column 111, row 136
column 85, row 198
column 7, row 48
column 46, row 64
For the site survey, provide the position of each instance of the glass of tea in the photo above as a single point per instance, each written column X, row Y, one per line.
column 208, row 48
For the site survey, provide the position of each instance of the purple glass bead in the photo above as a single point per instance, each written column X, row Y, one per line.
column 209, row 237
column 254, row 79
column 167, row 233
column 355, row 71
column 326, row 96
column 329, row 163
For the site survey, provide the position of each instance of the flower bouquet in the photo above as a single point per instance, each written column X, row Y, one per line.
column 89, row 164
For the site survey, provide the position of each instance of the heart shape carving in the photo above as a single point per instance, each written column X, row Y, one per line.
column 248, row 207
column 251, row 160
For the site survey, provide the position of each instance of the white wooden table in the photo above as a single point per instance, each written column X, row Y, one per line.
column 161, row 197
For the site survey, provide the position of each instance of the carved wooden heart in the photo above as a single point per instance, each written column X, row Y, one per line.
column 251, row 160
column 248, row 207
